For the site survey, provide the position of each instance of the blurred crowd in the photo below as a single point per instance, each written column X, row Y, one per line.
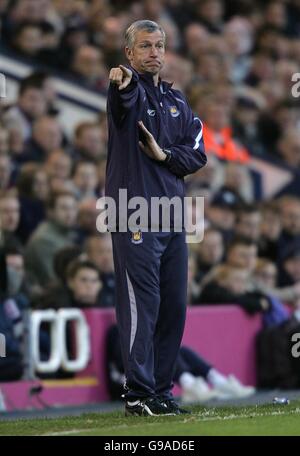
column 234, row 60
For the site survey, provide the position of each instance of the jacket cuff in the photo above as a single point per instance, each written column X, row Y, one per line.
column 169, row 158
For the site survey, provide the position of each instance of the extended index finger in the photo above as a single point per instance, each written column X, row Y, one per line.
column 125, row 70
column 142, row 126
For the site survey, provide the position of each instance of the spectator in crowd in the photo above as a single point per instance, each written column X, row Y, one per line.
column 85, row 179
column 221, row 212
column 111, row 40
column 275, row 15
column 210, row 67
column 265, row 279
column 193, row 288
column 6, row 172
column 210, row 14
column 31, row 105
column 33, row 190
column 56, row 294
column 98, row 248
column 209, row 252
column 289, row 148
column 88, row 69
column 81, row 288
column 212, row 176
column 74, row 36
column 89, row 142
column 11, row 366
column 4, row 141
column 217, row 132
column 195, row 40
column 242, row 253
column 16, row 141
column 9, row 217
column 289, row 210
column 23, row 11
column 229, row 285
column 265, row 273
column 87, row 218
column 270, row 230
column 12, row 306
column 290, row 264
column 58, row 166
column 248, row 223
column 101, row 169
column 17, row 288
column 273, row 123
column 177, row 68
column 238, row 179
column 238, row 34
column 46, row 137
column 51, row 235
column 83, row 280
column 46, row 81
column 28, row 40
column 99, row 251
column 261, row 69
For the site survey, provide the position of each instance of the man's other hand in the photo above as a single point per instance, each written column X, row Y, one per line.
column 151, row 148
column 120, row 76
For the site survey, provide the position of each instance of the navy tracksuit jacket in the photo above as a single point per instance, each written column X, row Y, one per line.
column 151, row 270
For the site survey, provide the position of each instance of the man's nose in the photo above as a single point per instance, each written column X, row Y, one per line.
column 154, row 51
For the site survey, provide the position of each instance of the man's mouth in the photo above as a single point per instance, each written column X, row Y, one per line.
column 153, row 62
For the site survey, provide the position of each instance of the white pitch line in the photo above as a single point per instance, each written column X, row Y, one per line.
column 185, row 421
column 72, row 431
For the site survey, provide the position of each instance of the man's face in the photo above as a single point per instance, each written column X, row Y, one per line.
column 292, row 267
column 271, row 225
column 86, row 177
column 47, row 134
column 33, row 102
column 29, row 41
column 148, row 52
column 5, row 171
column 4, row 141
column 249, row 225
column 59, row 165
column 243, row 256
column 221, row 217
column 236, row 282
column 267, row 275
column 16, row 262
column 100, row 253
column 41, row 185
column 290, row 217
column 91, row 142
column 65, row 211
column 85, row 286
column 9, row 214
column 211, row 249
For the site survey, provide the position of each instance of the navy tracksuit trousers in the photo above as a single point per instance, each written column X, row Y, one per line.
column 151, row 284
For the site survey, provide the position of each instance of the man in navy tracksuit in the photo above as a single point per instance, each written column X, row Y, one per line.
column 154, row 141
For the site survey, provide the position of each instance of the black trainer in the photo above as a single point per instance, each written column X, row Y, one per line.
column 150, row 406
column 174, row 408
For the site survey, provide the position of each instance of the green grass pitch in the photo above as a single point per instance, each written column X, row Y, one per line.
column 204, row 421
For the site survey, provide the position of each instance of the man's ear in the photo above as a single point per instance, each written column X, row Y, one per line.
column 128, row 53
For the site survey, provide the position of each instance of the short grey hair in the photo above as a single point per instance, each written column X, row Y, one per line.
column 149, row 26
